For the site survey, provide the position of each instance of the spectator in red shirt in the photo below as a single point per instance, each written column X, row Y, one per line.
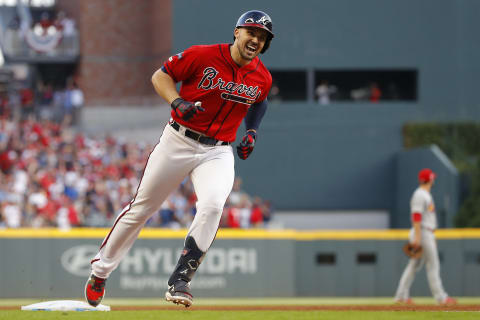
column 375, row 92
column 4, row 106
column 233, row 220
column 27, row 101
column 7, row 160
column 45, row 21
column 256, row 217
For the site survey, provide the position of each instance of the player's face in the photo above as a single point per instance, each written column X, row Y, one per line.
column 250, row 41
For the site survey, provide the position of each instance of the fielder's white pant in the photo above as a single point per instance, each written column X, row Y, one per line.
column 211, row 169
column 432, row 266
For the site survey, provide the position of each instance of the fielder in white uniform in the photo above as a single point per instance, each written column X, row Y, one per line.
column 424, row 223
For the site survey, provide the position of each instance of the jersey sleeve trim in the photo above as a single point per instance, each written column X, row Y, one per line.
column 167, row 70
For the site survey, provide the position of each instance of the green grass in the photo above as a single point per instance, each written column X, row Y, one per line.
column 235, row 315
column 280, row 301
column 248, row 301
column 188, row 314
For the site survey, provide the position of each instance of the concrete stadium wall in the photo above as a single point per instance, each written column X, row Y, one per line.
column 343, row 156
column 50, row 263
column 381, row 268
column 436, row 37
column 134, row 124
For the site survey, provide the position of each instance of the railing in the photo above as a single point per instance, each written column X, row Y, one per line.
column 25, row 45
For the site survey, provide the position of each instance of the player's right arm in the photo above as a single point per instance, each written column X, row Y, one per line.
column 165, row 86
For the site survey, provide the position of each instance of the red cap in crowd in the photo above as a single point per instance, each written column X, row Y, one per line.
column 426, row 175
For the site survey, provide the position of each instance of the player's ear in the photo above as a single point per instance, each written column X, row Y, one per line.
column 236, row 32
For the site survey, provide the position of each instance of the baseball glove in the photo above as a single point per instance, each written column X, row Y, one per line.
column 412, row 251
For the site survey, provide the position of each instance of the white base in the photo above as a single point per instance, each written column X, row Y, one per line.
column 64, row 305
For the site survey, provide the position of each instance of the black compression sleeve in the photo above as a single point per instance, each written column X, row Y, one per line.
column 255, row 114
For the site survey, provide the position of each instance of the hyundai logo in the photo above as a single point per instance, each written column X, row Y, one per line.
column 76, row 260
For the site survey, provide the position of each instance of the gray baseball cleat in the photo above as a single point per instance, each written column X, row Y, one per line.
column 179, row 293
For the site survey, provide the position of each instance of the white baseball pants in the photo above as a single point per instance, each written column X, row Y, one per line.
column 432, row 265
column 211, row 169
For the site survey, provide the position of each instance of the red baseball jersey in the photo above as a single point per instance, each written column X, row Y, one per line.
column 209, row 74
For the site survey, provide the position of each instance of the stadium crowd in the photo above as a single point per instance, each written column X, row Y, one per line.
column 53, row 176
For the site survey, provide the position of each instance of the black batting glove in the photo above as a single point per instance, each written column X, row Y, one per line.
column 246, row 146
column 185, row 110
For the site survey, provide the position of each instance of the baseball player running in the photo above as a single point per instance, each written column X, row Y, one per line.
column 222, row 84
column 424, row 223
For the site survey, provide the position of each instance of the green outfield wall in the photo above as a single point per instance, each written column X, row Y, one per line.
column 49, row 263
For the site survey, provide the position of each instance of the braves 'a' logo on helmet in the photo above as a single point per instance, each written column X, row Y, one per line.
column 264, row 20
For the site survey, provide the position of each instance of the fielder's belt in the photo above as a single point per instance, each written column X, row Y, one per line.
column 197, row 136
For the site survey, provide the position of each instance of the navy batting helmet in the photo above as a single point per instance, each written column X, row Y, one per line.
column 259, row 19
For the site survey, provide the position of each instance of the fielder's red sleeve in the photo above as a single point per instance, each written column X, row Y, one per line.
column 416, row 217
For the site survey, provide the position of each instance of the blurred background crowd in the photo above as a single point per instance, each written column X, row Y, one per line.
column 53, row 176
column 60, row 104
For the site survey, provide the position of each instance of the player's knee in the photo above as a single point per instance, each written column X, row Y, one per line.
column 138, row 214
column 212, row 207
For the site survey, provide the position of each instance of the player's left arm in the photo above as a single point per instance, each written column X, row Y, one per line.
column 252, row 123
